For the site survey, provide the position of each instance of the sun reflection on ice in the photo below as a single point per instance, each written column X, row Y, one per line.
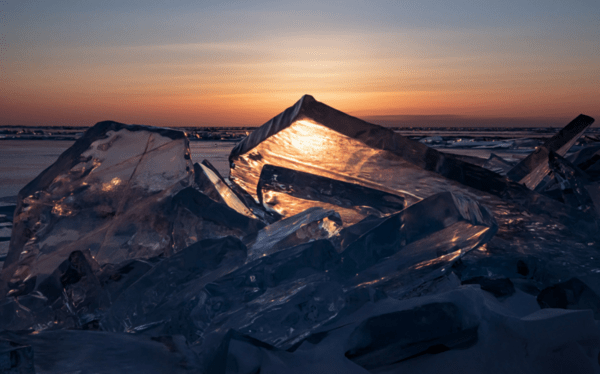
column 110, row 186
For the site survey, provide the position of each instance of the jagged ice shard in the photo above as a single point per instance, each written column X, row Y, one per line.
column 531, row 170
column 219, row 190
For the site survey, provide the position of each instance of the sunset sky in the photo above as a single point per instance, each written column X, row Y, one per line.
column 239, row 63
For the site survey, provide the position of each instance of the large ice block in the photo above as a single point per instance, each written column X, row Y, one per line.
column 108, row 193
column 314, row 138
column 289, row 192
column 532, row 169
column 281, row 297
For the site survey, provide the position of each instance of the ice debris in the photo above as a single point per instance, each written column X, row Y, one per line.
column 531, row 170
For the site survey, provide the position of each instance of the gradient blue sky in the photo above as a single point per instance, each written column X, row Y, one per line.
column 238, row 63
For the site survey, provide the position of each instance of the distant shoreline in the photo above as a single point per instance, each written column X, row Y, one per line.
column 235, row 134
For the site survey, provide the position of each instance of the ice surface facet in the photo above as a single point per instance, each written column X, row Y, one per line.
column 204, row 184
column 290, row 192
column 106, row 193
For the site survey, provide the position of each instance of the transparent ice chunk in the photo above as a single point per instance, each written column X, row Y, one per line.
column 159, row 297
column 197, row 217
column 567, row 184
column 273, row 297
column 399, row 252
column 312, row 224
column 289, row 192
column 106, row 193
column 531, row 170
column 277, row 299
column 226, row 194
column 203, row 183
column 210, row 182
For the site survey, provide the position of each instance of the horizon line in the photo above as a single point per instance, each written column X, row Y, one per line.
column 394, row 120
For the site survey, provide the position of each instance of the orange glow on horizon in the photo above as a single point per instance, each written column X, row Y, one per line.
column 254, row 109
column 240, row 63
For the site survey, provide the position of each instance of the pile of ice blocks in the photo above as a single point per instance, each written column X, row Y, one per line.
column 334, row 245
